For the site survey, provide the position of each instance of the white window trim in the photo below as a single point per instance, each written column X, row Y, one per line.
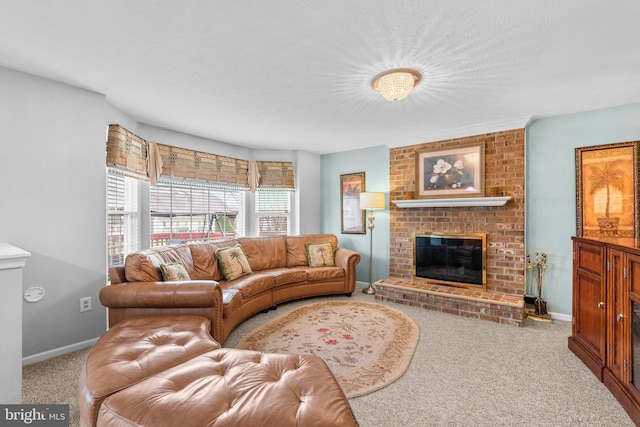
column 291, row 215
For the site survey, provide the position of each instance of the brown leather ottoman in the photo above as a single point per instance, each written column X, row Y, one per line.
column 231, row 387
column 135, row 349
column 168, row 371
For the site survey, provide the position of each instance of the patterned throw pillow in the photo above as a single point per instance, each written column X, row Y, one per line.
column 233, row 262
column 320, row 254
column 174, row 272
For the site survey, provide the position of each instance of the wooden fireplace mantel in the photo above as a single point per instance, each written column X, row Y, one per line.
column 452, row 202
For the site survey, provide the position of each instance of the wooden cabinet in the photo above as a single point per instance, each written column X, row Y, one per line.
column 606, row 314
column 588, row 338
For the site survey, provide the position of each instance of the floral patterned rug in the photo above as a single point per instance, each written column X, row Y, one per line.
column 366, row 345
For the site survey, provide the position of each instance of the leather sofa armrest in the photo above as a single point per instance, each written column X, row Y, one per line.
column 117, row 274
column 348, row 259
column 188, row 294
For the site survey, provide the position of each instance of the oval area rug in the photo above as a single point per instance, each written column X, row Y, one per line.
column 366, row 345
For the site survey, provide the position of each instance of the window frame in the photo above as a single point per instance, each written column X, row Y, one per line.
column 289, row 213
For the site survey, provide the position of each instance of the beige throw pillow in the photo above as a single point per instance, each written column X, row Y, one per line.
column 233, row 262
column 320, row 254
column 174, row 272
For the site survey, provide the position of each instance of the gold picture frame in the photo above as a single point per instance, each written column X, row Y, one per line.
column 352, row 218
column 450, row 172
column 607, row 190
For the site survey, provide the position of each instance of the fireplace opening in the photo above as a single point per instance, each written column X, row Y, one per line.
column 452, row 259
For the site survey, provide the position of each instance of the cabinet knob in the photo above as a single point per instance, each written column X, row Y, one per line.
column 619, row 317
column 601, row 304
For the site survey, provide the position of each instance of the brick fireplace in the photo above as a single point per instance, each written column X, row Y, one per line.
column 504, row 227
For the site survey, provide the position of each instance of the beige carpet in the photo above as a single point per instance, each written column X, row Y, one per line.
column 464, row 372
column 367, row 346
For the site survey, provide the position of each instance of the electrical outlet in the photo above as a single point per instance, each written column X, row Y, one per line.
column 85, row 304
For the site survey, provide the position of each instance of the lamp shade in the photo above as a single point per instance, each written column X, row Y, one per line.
column 372, row 201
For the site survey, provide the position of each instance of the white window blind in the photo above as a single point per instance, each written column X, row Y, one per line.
column 273, row 213
column 185, row 212
column 122, row 216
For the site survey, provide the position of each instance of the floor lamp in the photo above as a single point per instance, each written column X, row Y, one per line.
column 372, row 202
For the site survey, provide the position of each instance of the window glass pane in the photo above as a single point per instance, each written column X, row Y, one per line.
column 191, row 212
column 273, row 201
column 122, row 217
column 272, row 212
column 273, row 225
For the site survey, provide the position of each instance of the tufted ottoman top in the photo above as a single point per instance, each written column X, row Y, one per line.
column 231, row 387
column 135, row 349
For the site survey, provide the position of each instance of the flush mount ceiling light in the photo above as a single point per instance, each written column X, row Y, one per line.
column 396, row 84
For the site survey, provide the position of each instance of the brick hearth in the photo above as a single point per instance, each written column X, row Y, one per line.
column 508, row 309
column 504, row 227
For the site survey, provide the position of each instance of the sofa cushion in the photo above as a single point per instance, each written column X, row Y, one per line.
column 174, row 272
column 285, row 276
column 290, row 276
column 265, row 253
column 296, row 247
column 205, row 262
column 232, row 387
column 233, row 262
column 252, row 285
column 144, row 266
column 320, row 274
column 320, row 254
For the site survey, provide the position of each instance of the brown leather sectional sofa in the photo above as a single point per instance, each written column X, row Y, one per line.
column 161, row 363
column 280, row 272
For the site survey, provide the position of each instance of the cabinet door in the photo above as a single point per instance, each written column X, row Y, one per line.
column 618, row 309
column 589, row 299
column 633, row 283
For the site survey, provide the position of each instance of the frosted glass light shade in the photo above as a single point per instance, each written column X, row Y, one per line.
column 395, row 85
column 372, row 201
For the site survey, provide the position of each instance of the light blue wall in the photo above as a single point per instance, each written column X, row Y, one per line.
column 550, row 186
column 550, row 192
column 375, row 163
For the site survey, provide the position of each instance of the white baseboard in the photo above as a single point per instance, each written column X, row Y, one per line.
column 58, row 351
column 561, row 316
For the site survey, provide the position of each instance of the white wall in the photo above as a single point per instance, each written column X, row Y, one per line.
column 53, row 199
column 308, row 185
column 53, row 203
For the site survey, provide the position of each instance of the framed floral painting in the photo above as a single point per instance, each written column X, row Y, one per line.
column 450, row 172
column 352, row 218
column 607, row 190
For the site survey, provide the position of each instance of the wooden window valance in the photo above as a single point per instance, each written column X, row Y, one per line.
column 128, row 152
column 276, row 175
column 181, row 163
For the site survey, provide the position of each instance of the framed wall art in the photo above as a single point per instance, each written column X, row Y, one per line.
column 607, row 190
column 352, row 218
column 450, row 172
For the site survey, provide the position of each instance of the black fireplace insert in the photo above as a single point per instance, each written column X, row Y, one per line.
column 452, row 259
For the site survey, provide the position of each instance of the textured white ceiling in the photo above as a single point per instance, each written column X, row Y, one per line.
column 296, row 74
